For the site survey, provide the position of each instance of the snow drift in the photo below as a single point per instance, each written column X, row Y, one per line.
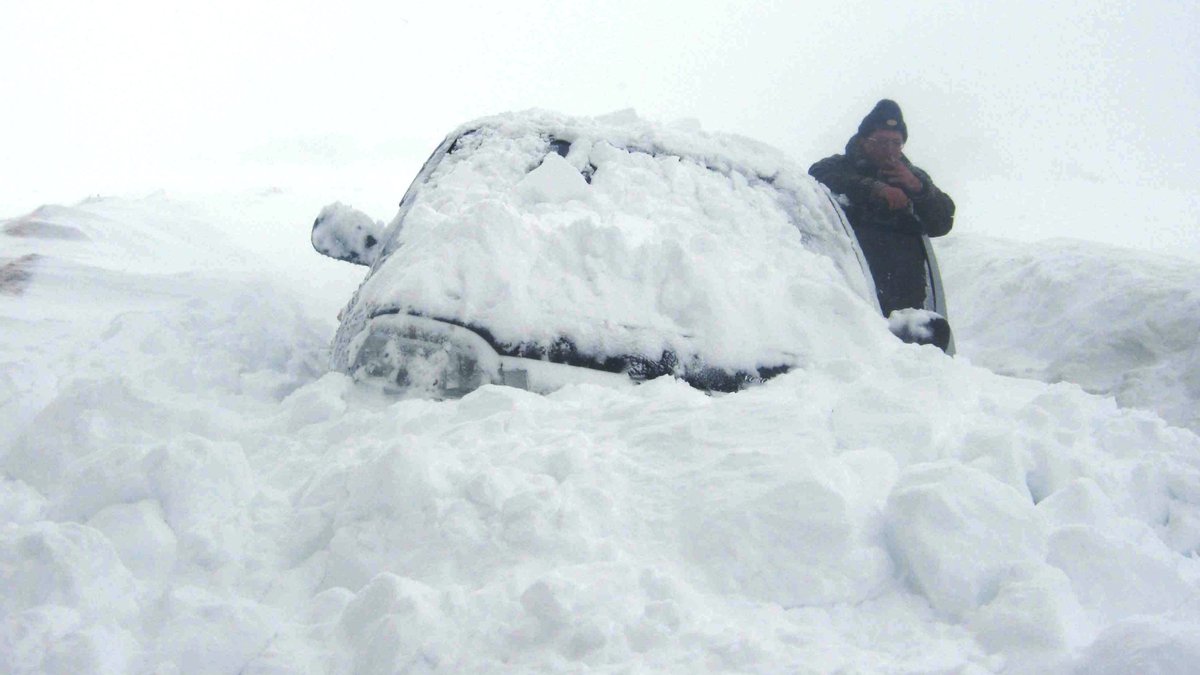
column 1115, row 321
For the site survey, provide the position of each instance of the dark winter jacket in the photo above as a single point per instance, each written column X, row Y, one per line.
column 891, row 240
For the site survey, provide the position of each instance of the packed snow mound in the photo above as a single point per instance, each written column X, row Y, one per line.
column 183, row 489
column 113, row 233
column 634, row 238
column 1114, row 321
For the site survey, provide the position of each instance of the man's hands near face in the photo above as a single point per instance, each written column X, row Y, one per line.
column 897, row 173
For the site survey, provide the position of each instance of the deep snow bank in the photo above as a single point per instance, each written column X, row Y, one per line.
column 184, row 490
column 1115, row 321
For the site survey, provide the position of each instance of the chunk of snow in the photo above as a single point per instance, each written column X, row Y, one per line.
column 957, row 531
column 554, row 181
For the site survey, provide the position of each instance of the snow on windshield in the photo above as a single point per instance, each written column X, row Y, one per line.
column 675, row 240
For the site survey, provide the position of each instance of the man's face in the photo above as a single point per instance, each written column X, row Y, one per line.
column 883, row 146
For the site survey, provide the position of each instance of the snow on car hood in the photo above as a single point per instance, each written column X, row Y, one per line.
column 635, row 239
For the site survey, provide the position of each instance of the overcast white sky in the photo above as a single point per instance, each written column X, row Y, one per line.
column 118, row 97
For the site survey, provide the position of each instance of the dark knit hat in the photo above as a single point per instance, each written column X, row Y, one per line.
column 885, row 115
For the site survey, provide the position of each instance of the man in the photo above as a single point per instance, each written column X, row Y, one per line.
column 891, row 205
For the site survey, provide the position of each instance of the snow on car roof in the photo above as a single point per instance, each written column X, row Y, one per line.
column 629, row 238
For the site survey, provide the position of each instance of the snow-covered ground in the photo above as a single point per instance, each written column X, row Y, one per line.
column 1115, row 321
column 185, row 488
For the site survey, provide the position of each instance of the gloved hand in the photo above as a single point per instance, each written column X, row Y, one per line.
column 894, row 196
column 897, row 173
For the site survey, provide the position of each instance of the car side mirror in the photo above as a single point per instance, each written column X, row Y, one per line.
column 346, row 234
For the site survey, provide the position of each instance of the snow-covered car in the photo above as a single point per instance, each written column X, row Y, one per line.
column 535, row 249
